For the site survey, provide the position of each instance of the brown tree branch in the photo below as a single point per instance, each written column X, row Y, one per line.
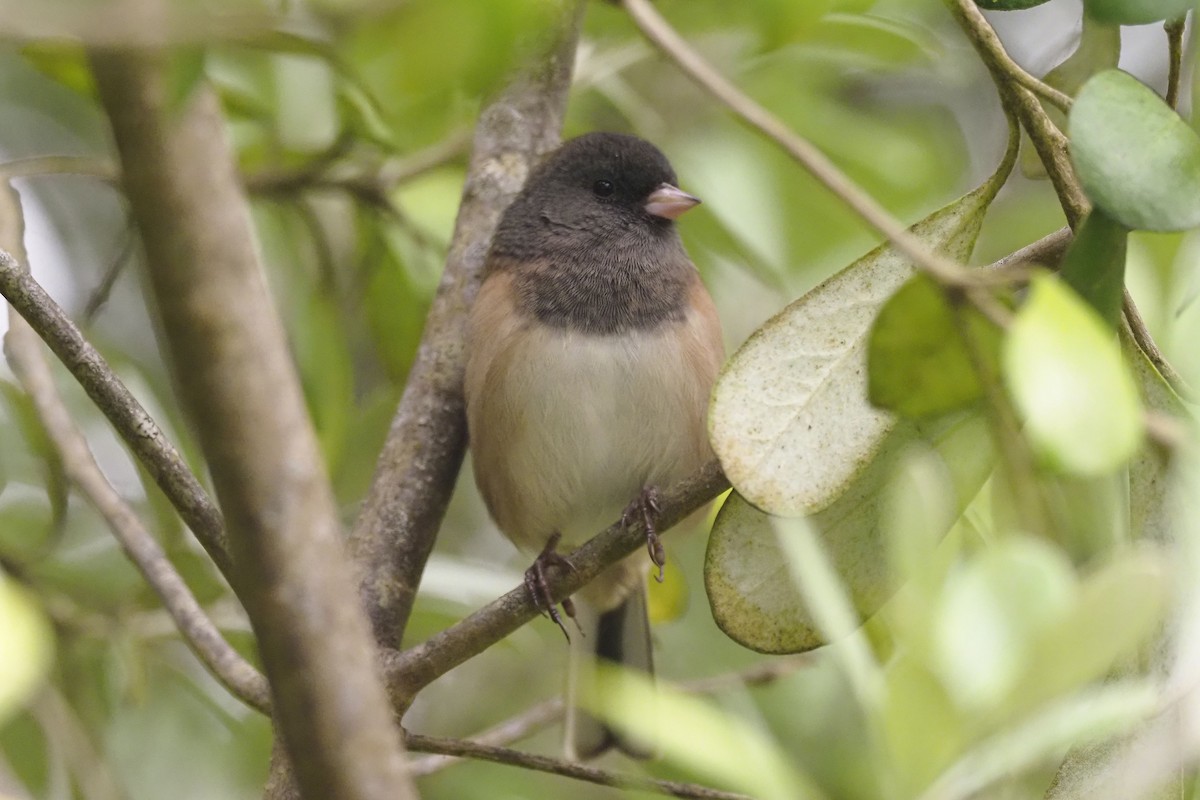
column 236, row 379
column 567, row 769
column 415, row 475
column 28, row 363
column 243, row 681
column 995, row 56
column 129, row 419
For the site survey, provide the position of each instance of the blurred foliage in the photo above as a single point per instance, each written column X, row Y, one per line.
column 989, row 657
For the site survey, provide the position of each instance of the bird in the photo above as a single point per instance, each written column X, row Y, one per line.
column 592, row 349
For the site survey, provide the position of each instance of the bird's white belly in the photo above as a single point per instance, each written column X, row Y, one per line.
column 599, row 417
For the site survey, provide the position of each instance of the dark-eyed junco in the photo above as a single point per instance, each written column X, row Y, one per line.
column 593, row 347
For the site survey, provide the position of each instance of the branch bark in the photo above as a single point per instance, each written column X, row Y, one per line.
column 25, row 356
column 396, row 528
column 129, row 419
column 235, row 377
column 413, row 669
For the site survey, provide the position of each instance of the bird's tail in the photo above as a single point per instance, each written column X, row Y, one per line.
column 620, row 637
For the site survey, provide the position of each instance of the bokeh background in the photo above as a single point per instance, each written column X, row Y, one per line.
column 889, row 90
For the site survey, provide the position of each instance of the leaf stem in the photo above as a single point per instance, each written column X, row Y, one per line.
column 1049, row 141
column 660, row 33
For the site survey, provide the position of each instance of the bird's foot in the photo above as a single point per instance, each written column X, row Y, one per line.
column 539, row 587
column 645, row 508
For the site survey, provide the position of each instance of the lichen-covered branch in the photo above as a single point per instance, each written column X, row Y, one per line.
column 234, row 375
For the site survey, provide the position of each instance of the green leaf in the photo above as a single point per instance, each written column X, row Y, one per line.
column 1136, row 158
column 1151, row 514
column 1136, row 12
column 918, row 362
column 27, row 644
column 63, row 62
column 790, row 420
column 826, row 596
column 990, row 612
column 1069, row 382
column 1117, row 609
column 1094, row 265
column 922, row 727
column 750, row 591
column 185, row 70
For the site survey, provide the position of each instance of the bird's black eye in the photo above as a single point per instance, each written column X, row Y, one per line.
column 603, row 188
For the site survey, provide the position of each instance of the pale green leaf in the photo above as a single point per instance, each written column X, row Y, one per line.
column 750, row 590
column 26, row 643
column 1136, row 158
column 835, row 616
column 1070, row 384
column 990, row 612
column 790, row 420
column 693, row 736
column 1117, row 609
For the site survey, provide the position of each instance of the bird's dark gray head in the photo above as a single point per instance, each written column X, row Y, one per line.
column 604, row 170
column 609, row 188
column 592, row 236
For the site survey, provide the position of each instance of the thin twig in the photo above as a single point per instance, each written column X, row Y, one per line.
column 100, row 294
column 659, row 32
column 233, row 672
column 1049, row 141
column 29, row 364
column 1047, row 252
column 136, row 427
column 514, row 729
column 370, row 183
column 547, row 712
column 567, row 769
column 992, row 49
